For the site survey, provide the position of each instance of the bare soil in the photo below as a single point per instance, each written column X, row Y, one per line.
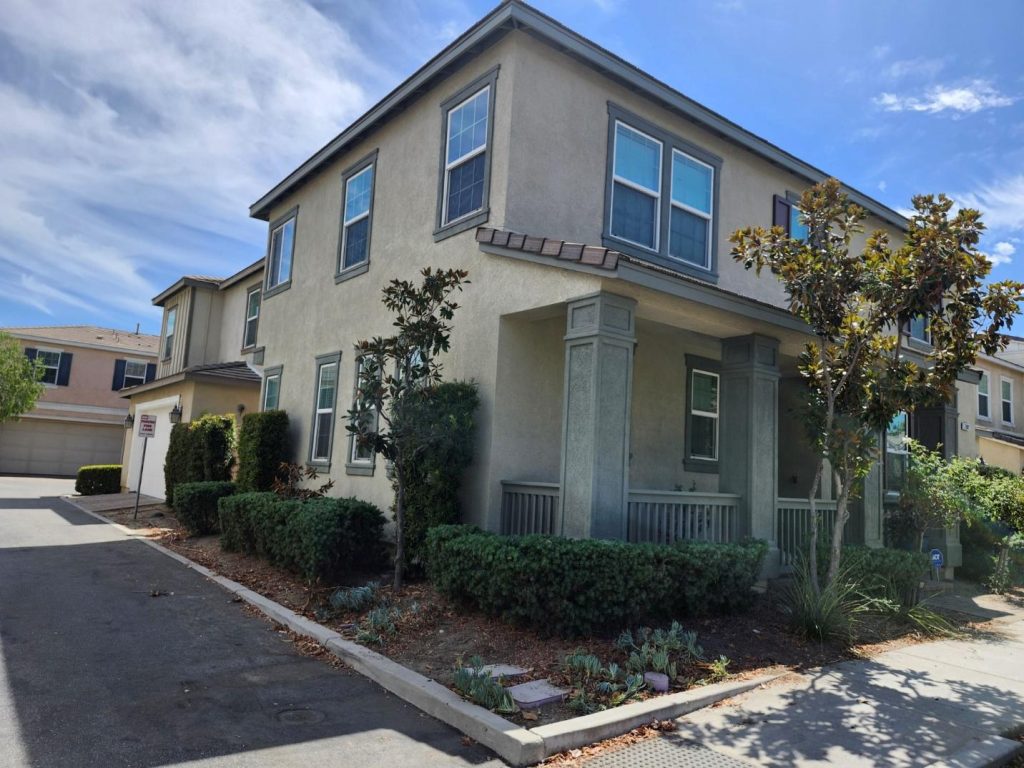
column 435, row 636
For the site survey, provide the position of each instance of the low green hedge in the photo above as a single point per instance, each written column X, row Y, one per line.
column 887, row 572
column 263, row 444
column 195, row 505
column 320, row 539
column 98, row 478
column 577, row 587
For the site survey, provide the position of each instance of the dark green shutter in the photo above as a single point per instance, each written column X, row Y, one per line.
column 64, row 371
column 118, row 382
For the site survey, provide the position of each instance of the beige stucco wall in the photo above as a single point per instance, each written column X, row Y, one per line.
column 232, row 303
column 1001, row 455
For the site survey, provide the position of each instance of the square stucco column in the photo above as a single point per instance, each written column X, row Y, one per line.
column 874, row 507
column 748, row 430
column 599, row 342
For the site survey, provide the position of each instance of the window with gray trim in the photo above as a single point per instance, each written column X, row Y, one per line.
column 467, row 129
column 786, row 214
column 661, row 196
column 983, row 397
column 172, row 318
column 361, row 455
column 324, row 403
column 702, row 414
column 282, row 249
column 271, row 388
column 356, row 215
column 252, row 317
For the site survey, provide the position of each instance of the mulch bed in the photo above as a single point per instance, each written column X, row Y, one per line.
column 434, row 636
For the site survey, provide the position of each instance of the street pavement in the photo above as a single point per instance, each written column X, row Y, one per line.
column 112, row 654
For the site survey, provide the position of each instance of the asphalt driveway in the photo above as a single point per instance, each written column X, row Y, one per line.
column 96, row 671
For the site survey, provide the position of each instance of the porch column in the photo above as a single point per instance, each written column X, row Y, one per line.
column 749, row 434
column 599, row 343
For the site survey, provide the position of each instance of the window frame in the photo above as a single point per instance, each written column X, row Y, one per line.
column 135, row 361
column 354, row 465
column 791, row 200
column 258, row 290
column 275, row 225
column 323, row 361
column 170, row 328
column 1003, row 401
column 471, row 219
column 987, row 394
column 671, row 143
column 56, row 368
column 657, row 194
column 341, row 272
column 274, row 372
column 888, row 486
column 708, row 217
column 693, row 463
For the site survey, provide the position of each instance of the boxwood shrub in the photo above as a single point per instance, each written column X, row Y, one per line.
column 887, row 572
column 320, row 539
column 195, row 505
column 577, row 587
column 202, row 449
column 94, row 479
column 263, row 445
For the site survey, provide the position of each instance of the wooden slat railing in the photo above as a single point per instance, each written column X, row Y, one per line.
column 528, row 507
column 662, row 517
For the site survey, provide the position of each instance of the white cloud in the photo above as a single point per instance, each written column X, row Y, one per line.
column 969, row 98
column 134, row 135
column 919, row 67
column 882, row 185
column 1001, row 203
column 1002, row 253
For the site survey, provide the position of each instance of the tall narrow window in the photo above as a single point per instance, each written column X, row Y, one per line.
column 252, row 317
column 271, row 390
column 361, row 454
column 51, row 365
column 1007, row 393
column 703, row 439
column 787, row 215
column 172, row 317
column 282, row 247
column 355, row 225
column 466, row 156
column 636, row 187
column 690, row 225
column 897, row 453
column 983, row 397
column 323, row 416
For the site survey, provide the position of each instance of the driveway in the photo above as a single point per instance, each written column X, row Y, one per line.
column 97, row 671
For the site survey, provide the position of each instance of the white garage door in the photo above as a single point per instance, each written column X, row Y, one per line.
column 38, row 447
column 156, row 449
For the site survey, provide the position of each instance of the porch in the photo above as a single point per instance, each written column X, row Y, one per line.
column 620, row 418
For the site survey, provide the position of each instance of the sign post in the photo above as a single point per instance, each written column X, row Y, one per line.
column 147, row 429
column 937, row 561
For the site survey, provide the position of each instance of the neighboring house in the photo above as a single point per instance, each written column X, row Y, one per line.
column 79, row 419
column 994, row 411
column 635, row 382
column 208, row 363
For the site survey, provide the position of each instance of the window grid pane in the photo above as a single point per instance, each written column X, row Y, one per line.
column 692, row 183
column 467, row 127
column 637, row 158
column 356, row 243
column 634, row 215
column 704, row 393
column 357, row 194
column 688, row 237
column 703, row 437
column 465, row 188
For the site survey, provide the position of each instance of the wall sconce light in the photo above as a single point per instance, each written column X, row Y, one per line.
column 129, row 421
column 175, row 414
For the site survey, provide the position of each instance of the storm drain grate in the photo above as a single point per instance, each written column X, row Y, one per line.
column 665, row 752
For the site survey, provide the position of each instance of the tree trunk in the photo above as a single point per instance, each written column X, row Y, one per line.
column 842, row 515
column 399, row 529
column 815, row 519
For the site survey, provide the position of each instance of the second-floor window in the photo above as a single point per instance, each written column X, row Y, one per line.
column 636, row 187
column 787, row 215
column 51, row 365
column 465, row 156
column 917, row 328
column 282, row 247
column 983, row 395
column 690, row 224
column 172, row 317
column 1007, row 393
column 252, row 317
column 134, row 373
column 355, row 224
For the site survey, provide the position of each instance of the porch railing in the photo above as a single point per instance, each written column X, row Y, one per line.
column 793, row 526
column 529, row 507
column 661, row 517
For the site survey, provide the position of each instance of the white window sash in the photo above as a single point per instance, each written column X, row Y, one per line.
column 708, row 217
column 1006, row 400
column 274, row 273
column 451, row 165
column 705, row 414
column 321, row 411
column 55, row 367
column 653, row 193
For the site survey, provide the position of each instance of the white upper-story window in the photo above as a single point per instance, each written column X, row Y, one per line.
column 51, row 365
column 984, row 411
column 636, row 187
column 134, row 373
column 355, row 226
column 465, row 155
column 789, row 216
column 1006, row 386
column 692, row 199
column 252, row 317
column 172, row 319
column 282, row 248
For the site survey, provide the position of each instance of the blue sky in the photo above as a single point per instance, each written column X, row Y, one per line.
column 134, row 136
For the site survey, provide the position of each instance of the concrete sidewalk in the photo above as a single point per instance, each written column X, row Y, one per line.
column 947, row 702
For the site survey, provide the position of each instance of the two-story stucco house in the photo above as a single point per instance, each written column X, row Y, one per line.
column 79, row 419
column 993, row 411
column 635, row 382
column 208, row 363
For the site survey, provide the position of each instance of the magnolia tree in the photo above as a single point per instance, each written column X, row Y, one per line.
column 19, row 379
column 392, row 367
column 854, row 301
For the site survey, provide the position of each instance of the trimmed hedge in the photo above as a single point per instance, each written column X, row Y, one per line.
column 263, row 445
column 578, row 587
column 199, row 450
column 94, row 479
column 882, row 572
column 195, row 505
column 320, row 539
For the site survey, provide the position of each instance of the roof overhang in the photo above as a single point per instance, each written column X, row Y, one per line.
column 253, row 269
column 165, row 294
column 514, row 14
column 141, row 353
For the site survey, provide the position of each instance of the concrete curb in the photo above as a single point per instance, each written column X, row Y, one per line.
column 985, row 752
column 519, row 746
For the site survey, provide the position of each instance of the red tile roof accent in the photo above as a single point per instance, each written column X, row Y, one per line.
column 590, row 255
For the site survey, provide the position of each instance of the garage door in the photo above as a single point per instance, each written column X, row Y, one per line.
column 38, row 447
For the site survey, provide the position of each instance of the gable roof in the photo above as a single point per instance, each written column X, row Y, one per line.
column 220, row 283
column 515, row 14
column 88, row 336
